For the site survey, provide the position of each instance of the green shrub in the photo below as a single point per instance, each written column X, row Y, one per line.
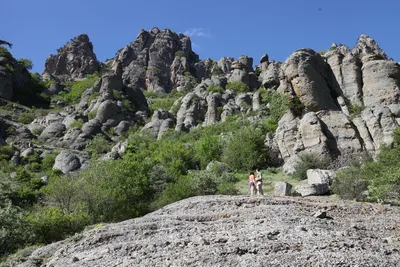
column 93, row 97
column 246, row 150
column 179, row 53
column 216, row 71
column 207, row 149
column 278, row 105
column 27, row 63
column 92, row 114
column 237, row 87
column 215, row 89
column 15, row 232
column 180, row 189
column 48, row 162
column 270, row 125
column 77, row 124
column 165, row 103
column 349, row 184
column 355, row 110
column 213, row 182
column 187, row 74
column 98, row 146
column 6, row 152
column 50, row 224
column 309, row 161
column 26, row 117
column 78, row 87
column 117, row 95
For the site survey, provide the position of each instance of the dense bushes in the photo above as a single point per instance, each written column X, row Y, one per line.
column 77, row 89
column 246, row 149
column 237, row 87
column 309, row 161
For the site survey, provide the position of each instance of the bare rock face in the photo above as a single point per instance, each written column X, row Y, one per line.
column 155, row 60
column 160, row 123
column 347, row 70
column 242, row 71
column 213, row 103
column 367, row 48
column 270, row 76
column 214, row 231
column 74, row 61
column 381, row 80
column 191, row 112
column 10, row 80
column 312, row 80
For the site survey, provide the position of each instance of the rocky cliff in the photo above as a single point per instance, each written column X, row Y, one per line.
column 73, row 61
column 238, row 231
column 328, row 87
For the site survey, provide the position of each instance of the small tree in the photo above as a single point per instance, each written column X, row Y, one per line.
column 27, row 63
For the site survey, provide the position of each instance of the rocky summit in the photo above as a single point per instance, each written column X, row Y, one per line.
column 239, row 231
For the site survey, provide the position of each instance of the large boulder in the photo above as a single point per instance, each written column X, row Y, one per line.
column 318, row 176
column 305, row 189
column 160, row 123
column 108, row 110
column 52, row 132
column 282, row 189
column 67, row 162
column 312, row 80
column 367, row 48
column 74, row 61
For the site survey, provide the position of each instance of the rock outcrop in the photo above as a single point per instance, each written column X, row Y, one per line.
column 73, row 61
column 156, row 61
column 214, row 231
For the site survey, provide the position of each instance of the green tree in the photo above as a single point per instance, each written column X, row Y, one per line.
column 27, row 63
column 246, row 150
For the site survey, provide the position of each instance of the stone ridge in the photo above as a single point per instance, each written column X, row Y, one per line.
column 73, row 61
column 238, row 231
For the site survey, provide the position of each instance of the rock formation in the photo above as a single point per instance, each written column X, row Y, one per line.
column 73, row 61
column 214, row 231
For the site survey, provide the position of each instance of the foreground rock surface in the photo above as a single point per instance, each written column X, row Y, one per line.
column 238, row 231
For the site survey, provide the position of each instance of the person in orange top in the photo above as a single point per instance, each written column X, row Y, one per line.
column 252, row 183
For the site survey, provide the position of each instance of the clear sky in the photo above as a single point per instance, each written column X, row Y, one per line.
column 217, row 27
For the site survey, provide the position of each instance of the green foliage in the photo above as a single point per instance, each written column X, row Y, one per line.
column 269, row 125
column 355, row 110
column 98, row 146
column 26, row 117
column 27, row 63
column 309, row 161
column 117, row 95
column 349, row 184
column 216, row 71
column 237, row 87
column 278, row 105
column 14, row 232
column 180, row 54
column 6, row 152
column 5, row 53
column 208, row 148
column 187, row 74
column 180, row 189
column 92, row 114
column 93, row 97
column 77, row 124
column 246, row 149
column 78, row 87
column 51, row 224
column 48, row 162
column 165, row 103
column 213, row 182
column 215, row 89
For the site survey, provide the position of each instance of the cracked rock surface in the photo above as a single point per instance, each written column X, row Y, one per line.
column 239, row 231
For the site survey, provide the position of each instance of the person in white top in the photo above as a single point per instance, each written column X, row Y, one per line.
column 259, row 182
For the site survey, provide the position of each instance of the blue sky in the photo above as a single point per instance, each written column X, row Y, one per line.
column 218, row 28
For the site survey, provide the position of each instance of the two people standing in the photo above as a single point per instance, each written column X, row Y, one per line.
column 255, row 182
